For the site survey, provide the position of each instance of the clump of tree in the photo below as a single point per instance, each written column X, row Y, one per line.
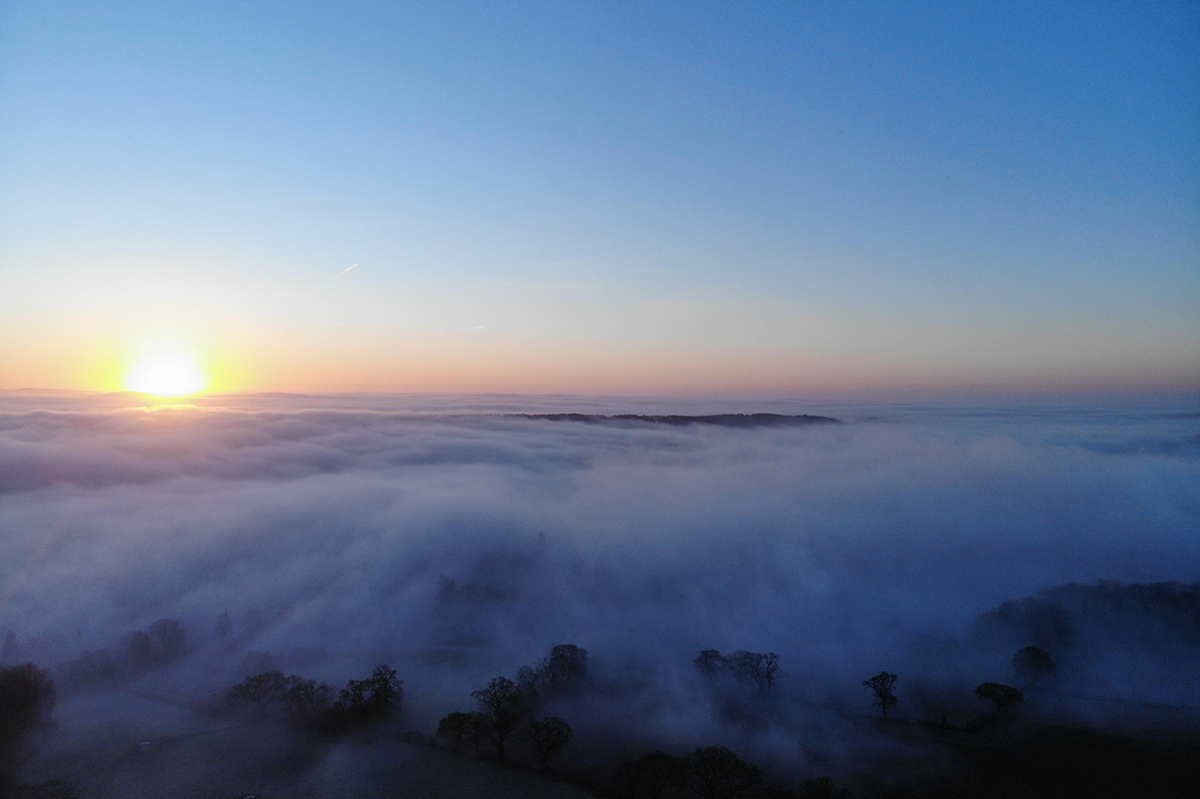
column 26, row 699
column 882, row 687
column 748, row 668
column 162, row 643
column 560, row 673
column 716, row 772
column 1002, row 696
column 1032, row 665
column 505, row 705
column 823, row 788
column 304, row 702
column 650, row 775
column 378, row 697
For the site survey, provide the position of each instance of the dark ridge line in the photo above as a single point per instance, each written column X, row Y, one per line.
column 717, row 419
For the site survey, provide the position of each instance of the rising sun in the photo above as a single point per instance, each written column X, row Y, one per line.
column 166, row 369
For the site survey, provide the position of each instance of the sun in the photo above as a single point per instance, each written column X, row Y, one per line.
column 166, row 369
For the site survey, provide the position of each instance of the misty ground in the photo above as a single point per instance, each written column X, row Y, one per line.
column 457, row 542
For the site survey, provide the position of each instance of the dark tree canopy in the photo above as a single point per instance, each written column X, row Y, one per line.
column 710, row 663
column 26, row 699
column 1002, row 696
column 718, row 773
column 559, row 673
column 1032, row 664
column 651, row 774
column 454, row 727
column 749, row 668
column 376, row 697
column 881, row 686
column 823, row 788
column 261, row 690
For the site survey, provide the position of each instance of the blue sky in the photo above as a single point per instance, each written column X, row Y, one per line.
column 626, row 197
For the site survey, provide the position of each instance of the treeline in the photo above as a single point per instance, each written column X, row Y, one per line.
column 303, row 702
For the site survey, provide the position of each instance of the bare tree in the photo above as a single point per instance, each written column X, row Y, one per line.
column 387, row 692
column 505, row 705
column 881, row 686
column 549, row 736
column 770, row 671
column 747, row 667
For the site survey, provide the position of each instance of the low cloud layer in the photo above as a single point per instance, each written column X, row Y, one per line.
column 436, row 527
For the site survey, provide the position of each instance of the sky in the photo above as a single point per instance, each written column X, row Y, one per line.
column 602, row 197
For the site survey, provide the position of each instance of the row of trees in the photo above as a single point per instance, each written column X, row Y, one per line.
column 748, row 668
column 304, row 702
column 163, row 642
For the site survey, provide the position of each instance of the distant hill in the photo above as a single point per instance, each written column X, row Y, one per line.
column 717, row 419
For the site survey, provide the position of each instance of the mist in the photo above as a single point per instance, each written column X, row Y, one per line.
column 456, row 542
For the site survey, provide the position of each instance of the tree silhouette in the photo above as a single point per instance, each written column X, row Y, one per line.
column 559, row 673
column 823, row 788
column 454, row 727
column 376, row 697
column 26, row 699
column 1002, row 696
column 304, row 699
column 881, row 686
column 169, row 640
column 141, row 650
column 1032, row 664
column 718, row 773
column 747, row 667
column 710, row 663
column 505, row 704
column 651, row 774
column 770, row 671
column 549, row 736
column 261, row 691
